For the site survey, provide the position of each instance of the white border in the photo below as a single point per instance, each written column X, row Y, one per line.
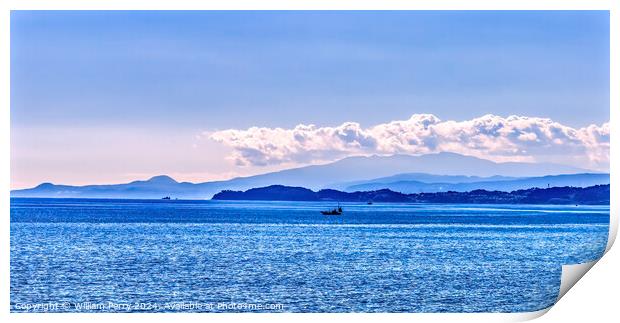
column 7, row 5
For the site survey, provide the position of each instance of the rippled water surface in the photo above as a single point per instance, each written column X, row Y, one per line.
column 373, row 258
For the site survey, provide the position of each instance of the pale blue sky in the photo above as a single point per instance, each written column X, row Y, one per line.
column 177, row 74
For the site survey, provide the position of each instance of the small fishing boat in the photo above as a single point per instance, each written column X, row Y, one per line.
column 336, row 211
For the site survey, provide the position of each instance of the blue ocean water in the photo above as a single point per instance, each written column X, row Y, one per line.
column 374, row 258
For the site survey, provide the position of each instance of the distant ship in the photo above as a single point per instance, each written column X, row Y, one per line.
column 165, row 198
column 337, row 211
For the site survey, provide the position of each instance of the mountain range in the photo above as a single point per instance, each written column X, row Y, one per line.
column 399, row 172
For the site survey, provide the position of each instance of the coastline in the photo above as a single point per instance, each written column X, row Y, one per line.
column 592, row 195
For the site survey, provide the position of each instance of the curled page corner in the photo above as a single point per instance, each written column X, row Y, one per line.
column 571, row 274
column 527, row 316
column 613, row 229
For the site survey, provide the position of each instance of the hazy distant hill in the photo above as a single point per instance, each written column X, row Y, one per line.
column 421, row 178
column 593, row 195
column 499, row 184
column 426, row 178
column 314, row 177
column 360, row 168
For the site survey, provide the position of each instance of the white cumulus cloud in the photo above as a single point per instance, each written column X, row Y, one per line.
column 514, row 138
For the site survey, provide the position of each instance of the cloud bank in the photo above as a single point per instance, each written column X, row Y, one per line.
column 515, row 138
